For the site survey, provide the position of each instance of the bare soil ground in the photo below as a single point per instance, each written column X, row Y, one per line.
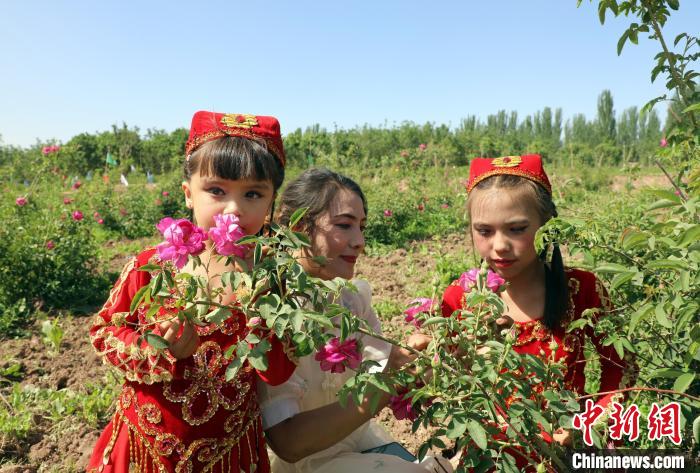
column 395, row 276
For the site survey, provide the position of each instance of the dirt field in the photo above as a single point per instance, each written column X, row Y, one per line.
column 394, row 277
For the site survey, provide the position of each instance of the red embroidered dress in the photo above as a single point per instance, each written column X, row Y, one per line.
column 585, row 292
column 178, row 415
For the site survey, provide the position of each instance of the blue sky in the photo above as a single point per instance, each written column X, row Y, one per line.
column 80, row 66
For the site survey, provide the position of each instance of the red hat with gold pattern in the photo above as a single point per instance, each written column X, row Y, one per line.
column 208, row 126
column 528, row 166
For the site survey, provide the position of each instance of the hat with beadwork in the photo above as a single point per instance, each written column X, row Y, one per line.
column 528, row 166
column 208, row 126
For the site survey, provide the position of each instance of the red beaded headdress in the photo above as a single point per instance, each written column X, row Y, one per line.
column 528, row 166
column 208, row 126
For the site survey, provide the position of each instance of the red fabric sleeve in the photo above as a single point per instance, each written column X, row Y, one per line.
column 279, row 363
column 115, row 331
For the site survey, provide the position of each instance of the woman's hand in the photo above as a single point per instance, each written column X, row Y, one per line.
column 181, row 336
column 400, row 357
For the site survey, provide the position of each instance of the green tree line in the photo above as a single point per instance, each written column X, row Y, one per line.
column 609, row 139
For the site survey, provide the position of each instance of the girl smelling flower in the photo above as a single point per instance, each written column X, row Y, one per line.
column 509, row 200
column 177, row 412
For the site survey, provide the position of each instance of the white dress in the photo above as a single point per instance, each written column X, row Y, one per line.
column 310, row 388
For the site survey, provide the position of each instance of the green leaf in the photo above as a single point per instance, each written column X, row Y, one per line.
column 633, row 238
column 623, row 38
column 690, row 236
column 319, row 318
column 683, row 382
column 257, row 254
column 671, row 264
column 435, row 321
column 667, row 373
column 477, row 434
column 296, row 216
column 638, row 316
column 149, row 267
column 673, row 4
column 218, row 315
column 156, row 341
column 258, row 360
column 620, row 279
column 456, row 428
column 138, row 297
column 233, row 367
column 663, row 204
column 381, row 383
column 696, row 429
column 693, row 108
column 248, row 239
column 156, row 284
column 661, row 316
column 612, row 268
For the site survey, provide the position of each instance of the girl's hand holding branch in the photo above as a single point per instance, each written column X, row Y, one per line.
column 181, row 336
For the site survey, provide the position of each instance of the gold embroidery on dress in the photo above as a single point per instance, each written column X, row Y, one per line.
column 207, row 380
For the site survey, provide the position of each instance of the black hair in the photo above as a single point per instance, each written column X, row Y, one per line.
column 314, row 189
column 233, row 157
column 556, row 288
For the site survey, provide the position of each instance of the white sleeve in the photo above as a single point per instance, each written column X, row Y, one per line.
column 279, row 403
column 372, row 348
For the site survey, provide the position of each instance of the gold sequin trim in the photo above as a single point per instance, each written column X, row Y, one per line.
column 207, row 381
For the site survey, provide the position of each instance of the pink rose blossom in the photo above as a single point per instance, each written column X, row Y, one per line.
column 77, row 215
column 100, row 221
column 96, row 215
column 76, row 185
column 165, row 193
column 468, row 280
column 663, row 143
column 67, row 201
column 335, row 355
column 182, row 238
column 418, row 306
column 50, row 245
column 422, row 146
column 226, row 233
column 46, row 150
column 21, row 201
column 445, row 206
column 402, row 406
column 253, row 322
column 388, row 213
column 494, row 281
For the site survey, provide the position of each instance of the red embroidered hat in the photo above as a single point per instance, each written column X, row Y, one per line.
column 528, row 166
column 208, row 126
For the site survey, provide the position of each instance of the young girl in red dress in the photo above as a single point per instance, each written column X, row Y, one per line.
column 177, row 412
column 509, row 199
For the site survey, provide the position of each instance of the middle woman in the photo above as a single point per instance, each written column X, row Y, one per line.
column 307, row 429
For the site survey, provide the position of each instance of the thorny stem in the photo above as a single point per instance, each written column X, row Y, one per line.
column 673, row 183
